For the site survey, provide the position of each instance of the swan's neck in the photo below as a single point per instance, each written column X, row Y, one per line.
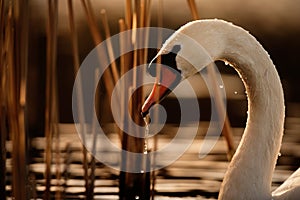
column 251, row 169
column 250, row 172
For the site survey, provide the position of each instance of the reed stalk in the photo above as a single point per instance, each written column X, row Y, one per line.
column 18, row 53
column 193, row 9
column 160, row 12
column 107, row 76
column 128, row 13
column 54, row 101
column 110, row 49
column 134, row 184
column 221, row 108
column 48, row 131
column 79, row 94
column 94, row 146
column 56, row 133
column 3, row 135
column 147, row 24
column 3, row 104
column 66, row 173
column 122, row 27
column 58, row 192
column 51, row 115
column 124, row 66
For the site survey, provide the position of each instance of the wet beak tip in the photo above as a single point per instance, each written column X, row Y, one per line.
column 144, row 114
column 145, row 108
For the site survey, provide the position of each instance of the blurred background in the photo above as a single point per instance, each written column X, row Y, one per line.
column 274, row 24
column 58, row 167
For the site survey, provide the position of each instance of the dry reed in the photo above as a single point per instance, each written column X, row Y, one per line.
column 227, row 132
column 136, row 16
column 51, row 115
column 156, row 113
column 3, row 104
column 79, row 95
column 17, row 72
column 107, row 76
column 110, row 50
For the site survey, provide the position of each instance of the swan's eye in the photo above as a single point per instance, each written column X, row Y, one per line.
column 168, row 60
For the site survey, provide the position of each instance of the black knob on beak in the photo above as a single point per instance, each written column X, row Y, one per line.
column 151, row 69
column 168, row 59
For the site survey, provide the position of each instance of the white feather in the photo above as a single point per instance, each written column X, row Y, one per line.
column 250, row 172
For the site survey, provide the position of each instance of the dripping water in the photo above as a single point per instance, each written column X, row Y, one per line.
column 147, row 122
column 279, row 154
column 146, row 164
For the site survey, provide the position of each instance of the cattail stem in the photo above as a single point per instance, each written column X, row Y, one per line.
column 79, row 95
column 227, row 132
column 51, row 115
column 3, row 104
column 193, row 8
column 156, row 112
column 107, row 77
column 110, row 50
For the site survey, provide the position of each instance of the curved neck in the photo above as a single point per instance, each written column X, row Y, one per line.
column 250, row 171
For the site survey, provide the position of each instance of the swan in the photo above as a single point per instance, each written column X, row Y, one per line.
column 249, row 174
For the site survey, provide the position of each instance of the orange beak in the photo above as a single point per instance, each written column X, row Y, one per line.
column 169, row 79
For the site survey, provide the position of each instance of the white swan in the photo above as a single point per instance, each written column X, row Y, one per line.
column 249, row 174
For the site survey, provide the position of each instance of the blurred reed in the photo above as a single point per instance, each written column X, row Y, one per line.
column 3, row 103
column 14, row 55
column 221, row 108
column 13, row 73
column 51, row 101
column 137, row 15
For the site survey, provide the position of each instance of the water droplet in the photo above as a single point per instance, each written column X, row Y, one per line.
column 221, row 86
column 146, row 120
column 279, row 154
column 142, row 171
column 235, row 92
column 137, row 197
column 226, row 63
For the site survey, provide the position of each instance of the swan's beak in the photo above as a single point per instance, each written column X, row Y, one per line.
column 169, row 79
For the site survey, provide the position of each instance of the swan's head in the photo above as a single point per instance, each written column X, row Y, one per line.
column 180, row 57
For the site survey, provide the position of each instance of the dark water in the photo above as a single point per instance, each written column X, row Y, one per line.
column 187, row 178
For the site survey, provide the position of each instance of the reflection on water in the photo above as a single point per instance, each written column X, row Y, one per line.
column 187, row 178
